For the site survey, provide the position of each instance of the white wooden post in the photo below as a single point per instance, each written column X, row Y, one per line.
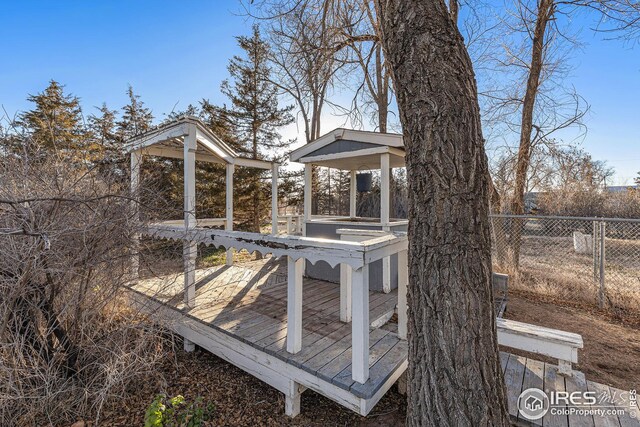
column 384, row 216
column 403, row 281
column 360, row 324
column 294, row 304
column 189, row 247
column 274, row 198
column 136, row 163
column 289, row 224
column 307, row 196
column 229, row 208
column 292, row 399
column 345, row 293
column 352, row 194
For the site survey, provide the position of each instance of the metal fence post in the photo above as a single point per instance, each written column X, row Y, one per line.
column 603, row 229
column 595, row 241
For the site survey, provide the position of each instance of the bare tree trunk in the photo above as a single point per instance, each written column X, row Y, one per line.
column 545, row 13
column 454, row 374
column 454, row 8
column 382, row 98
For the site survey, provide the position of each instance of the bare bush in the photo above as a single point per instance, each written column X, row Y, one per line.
column 592, row 202
column 69, row 344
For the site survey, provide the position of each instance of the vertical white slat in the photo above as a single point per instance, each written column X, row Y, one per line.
column 294, row 304
column 229, row 208
column 345, row 293
column 189, row 251
column 360, row 324
column 386, row 274
column 292, row 399
column 352, row 194
column 384, row 188
column 189, row 248
column 274, row 198
column 136, row 164
column 307, row 196
column 385, row 183
column 403, row 281
column 289, row 224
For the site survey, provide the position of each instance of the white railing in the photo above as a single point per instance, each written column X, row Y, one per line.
column 353, row 256
column 293, row 222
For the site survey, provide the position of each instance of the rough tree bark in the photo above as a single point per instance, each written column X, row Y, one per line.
column 454, row 375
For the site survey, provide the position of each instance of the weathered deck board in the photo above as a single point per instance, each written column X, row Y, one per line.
column 513, row 377
column 533, row 378
column 554, row 381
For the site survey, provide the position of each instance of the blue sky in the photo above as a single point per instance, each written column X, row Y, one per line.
column 176, row 52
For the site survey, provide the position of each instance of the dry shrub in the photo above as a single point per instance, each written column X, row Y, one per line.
column 591, row 202
column 68, row 343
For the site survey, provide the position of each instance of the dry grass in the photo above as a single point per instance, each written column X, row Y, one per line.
column 550, row 267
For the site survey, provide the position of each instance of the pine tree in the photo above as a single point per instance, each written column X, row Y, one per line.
column 637, row 180
column 255, row 117
column 55, row 123
column 136, row 118
column 102, row 127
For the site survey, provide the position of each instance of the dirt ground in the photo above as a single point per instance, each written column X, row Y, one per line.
column 609, row 356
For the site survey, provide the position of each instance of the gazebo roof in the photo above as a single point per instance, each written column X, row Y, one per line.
column 349, row 149
column 168, row 141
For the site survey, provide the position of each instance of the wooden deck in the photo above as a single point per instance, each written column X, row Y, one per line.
column 240, row 315
column 522, row 373
column 248, row 304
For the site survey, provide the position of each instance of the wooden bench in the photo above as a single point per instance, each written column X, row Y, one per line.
column 557, row 344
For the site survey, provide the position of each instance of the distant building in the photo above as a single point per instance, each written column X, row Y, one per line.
column 621, row 188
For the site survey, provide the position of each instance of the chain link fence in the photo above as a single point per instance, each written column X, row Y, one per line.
column 583, row 260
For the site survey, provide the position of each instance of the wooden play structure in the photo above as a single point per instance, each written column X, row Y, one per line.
column 285, row 319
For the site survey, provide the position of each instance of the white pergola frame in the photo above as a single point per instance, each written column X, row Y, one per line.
column 384, row 151
column 187, row 138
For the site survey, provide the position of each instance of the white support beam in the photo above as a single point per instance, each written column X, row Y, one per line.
column 229, row 208
column 403, row 281
column 345, row 293
column 294, row 304
column 385, row 181
column 189, row 247
column 274, row 199
column 352, row 194
column 136, row 164
column 360, row 324
column 308, row 168
column 292, row 399
column 253, row 163
column 385, row 199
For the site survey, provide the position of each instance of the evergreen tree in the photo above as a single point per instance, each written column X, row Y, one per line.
column 55, row 123
column 136, row 118
column 638, row 179
column 255, row 118
column 102, row 127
